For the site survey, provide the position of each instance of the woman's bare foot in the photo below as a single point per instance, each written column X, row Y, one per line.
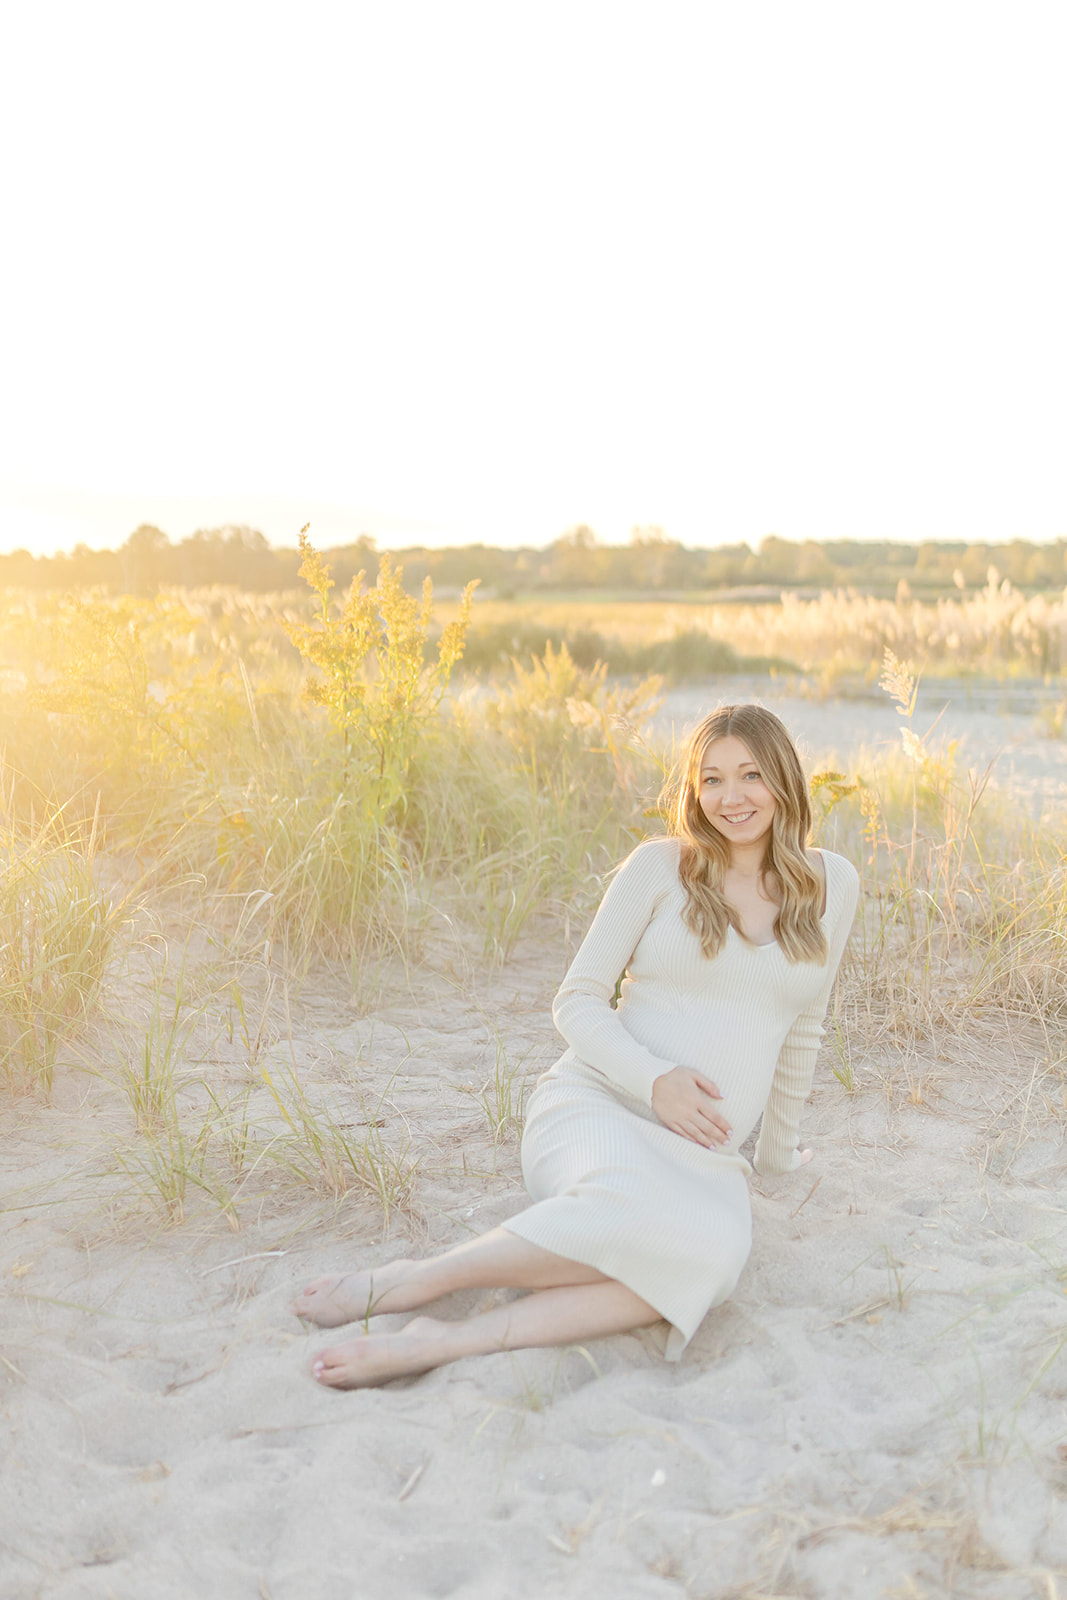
column 333, row 1300
column 380, row 1357
column 348, row 1296
column 497, row 1260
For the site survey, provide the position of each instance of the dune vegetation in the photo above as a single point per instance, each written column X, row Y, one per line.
column 286, row 885
column 208, row 795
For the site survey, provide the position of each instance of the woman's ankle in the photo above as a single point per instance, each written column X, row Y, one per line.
column 383, row 1283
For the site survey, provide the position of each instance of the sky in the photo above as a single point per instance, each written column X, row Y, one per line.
column 485, row 271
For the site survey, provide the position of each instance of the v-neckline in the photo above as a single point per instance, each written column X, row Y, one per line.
column 773, row 944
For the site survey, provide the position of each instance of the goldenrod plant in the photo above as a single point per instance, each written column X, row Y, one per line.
column 373, row 674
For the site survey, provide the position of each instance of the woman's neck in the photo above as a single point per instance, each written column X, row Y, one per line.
column 746, row 861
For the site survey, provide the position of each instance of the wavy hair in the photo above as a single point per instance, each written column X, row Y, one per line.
column 705, row 854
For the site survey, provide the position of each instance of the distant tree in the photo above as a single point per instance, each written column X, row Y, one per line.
column 726, row 566
column 935, row 563
column 143, row 559
column 234, row 554
column 814, row 565
column 89, row 568
column 974, row 564
column 848, row 553
column 656, row 561
column 575, row 560
column 240, row 556
column 1014, row 560
column 20, row 570
column 347, row 560
column 779, row 560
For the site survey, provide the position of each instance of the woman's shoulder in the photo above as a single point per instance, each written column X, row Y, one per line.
column 653, row 859
column 660, row 852
column 837, row 867
column 646, row 877
column 840, row 876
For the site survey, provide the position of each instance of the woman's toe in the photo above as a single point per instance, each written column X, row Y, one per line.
column 374, row 1359
column 317, row 1300
column 330, row 1366
column 306, row 1296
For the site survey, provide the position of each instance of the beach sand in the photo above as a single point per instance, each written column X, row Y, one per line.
column 879, row 1411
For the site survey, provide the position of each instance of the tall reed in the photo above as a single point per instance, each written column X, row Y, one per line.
column 57, row 937
column 964, row 898
column 355, row 819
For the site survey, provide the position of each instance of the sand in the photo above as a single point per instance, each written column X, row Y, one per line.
column 881, row 1410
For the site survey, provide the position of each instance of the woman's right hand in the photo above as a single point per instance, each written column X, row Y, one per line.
column 686, row 1102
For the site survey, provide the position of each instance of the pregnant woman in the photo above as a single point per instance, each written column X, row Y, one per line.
column 730, row 932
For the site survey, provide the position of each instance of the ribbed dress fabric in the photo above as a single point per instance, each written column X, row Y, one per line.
column 613, row 1187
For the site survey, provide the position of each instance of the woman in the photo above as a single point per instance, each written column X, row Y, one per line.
column 731, row 933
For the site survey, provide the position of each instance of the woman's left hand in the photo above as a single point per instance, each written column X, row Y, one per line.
column 805, row 1156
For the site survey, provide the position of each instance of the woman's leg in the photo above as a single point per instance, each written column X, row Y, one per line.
column 497, row 1260
column 549, row 1317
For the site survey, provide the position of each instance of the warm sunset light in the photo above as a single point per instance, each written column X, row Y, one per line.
column 483, row 271
column 533, row 800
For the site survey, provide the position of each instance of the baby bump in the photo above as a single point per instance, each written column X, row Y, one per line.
column 578, row 1134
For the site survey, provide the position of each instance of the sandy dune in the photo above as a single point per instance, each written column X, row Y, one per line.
column 878, row 1412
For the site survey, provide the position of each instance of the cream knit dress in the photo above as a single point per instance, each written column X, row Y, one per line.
column 613, row 1187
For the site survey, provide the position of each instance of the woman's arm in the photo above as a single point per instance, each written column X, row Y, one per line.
column 583, row 1012
column 776, row 1147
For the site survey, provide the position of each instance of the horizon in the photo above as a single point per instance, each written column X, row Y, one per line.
column 408, row 542
column 63, row 519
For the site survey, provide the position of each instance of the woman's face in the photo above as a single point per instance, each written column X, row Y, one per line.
column 732, row 793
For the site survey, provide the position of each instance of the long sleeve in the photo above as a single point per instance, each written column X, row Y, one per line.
column 582, row 1011
column 776, row 1147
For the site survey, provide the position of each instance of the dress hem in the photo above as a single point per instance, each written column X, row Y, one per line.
column 676, row 1339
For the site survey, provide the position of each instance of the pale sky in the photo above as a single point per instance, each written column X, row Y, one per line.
column 479, row 269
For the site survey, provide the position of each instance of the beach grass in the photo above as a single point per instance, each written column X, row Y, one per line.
column 316, row 785
column 276, row 986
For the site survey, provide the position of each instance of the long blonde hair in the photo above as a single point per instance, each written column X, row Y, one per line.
column 705, row 853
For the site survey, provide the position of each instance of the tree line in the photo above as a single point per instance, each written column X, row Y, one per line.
column 651, row 563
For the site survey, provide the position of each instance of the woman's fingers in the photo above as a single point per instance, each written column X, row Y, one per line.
column 690, row 1129
column 694, row 1117
column 702, row 1130
column 716, row 1125
column 710, row 1091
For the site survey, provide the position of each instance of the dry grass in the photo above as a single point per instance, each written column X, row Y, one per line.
column 997, row 631
column 345, row 811
column 260, row 890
